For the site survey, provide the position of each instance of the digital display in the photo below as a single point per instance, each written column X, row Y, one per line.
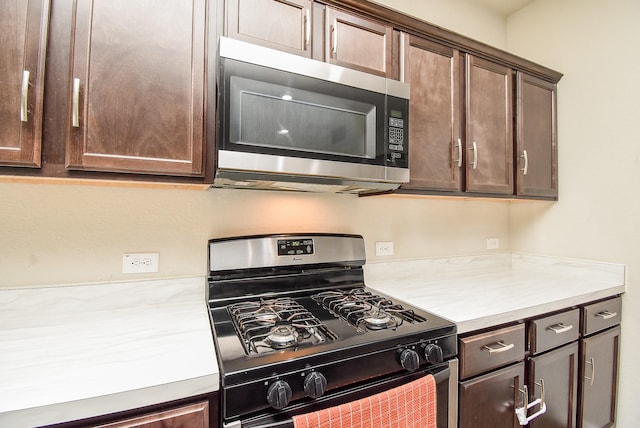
column 396, row 113
column 292, row 247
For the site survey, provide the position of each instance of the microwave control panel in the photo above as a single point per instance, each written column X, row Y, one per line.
column 396, row 137
column 397, row 132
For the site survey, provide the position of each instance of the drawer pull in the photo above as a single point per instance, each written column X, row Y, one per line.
column 592, row 362
column 501, row 347
column 560, row 328
column 521, row 412
column 606, row 315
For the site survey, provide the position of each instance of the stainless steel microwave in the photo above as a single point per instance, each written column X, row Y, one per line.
column 292, row 123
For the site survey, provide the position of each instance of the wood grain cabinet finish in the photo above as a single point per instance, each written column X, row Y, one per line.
column 489, row 122
column 554, row 330
column 285, row 25
column 137, row 90
column 486, row 351
column 557, row 370
column 489, row 401
column 314, row 30
column 435, row 131
column 359, row 43
column 599, row 366
column 23, row 39
column 536, row 138
column 191, row 416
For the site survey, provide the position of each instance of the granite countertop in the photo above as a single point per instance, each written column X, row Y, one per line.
column 72, row 352
column 487, row 290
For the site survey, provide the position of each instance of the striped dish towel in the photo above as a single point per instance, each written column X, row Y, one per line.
column 409, row 405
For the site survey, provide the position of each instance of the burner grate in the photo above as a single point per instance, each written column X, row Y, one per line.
column 364, row 309
column 269, row 325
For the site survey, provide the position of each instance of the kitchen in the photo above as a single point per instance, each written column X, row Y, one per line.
column 592, row 219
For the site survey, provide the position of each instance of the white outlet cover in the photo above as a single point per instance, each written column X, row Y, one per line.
column 493, row 243
column 384, row 248
column 140, row 262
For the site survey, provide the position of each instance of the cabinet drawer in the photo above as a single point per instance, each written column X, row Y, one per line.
column 485, row 351
column 601, row 315
column 555, row 330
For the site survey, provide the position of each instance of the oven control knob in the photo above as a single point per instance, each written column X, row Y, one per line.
column 433, row 353
column 410, row 360
column 315, row 384
column 279, row 394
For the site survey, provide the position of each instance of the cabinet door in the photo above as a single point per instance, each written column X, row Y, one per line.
column 558, row 371
column 536, row 138
column 193, row 416
column 280, row 24
column 489, row 127
column 359, row 43
column 137, row 101
column 434, row 129
column 599, row 379
column 23, row 34
column 489, row 401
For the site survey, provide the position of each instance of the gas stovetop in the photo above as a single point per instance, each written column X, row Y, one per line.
column 287, row 307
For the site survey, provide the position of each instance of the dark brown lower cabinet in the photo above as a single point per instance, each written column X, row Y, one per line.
column 489, row 401
column 598, row 379
column 557, row 370
column 192, row 416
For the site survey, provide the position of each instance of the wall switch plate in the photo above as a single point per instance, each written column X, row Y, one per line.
column 140, row 262
column 384, row 248
column 493, row 243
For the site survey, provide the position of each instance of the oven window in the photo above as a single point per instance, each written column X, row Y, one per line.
column 264, row 114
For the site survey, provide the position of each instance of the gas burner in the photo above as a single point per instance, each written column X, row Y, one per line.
column 362, row 308
column 377, row 319
column 283, row 336
column 269, row 325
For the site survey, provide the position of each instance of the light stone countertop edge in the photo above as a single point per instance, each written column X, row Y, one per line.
column 487, row 290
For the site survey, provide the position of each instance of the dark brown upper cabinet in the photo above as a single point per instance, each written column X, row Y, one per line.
column 23, row 37
column 283, row 25
column 435, row 128
column 489, row 123
column 358, row 43
column 314, row 30
column 536, row 138
column 137, row 90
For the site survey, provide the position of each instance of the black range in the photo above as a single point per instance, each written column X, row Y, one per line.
column 296, row 327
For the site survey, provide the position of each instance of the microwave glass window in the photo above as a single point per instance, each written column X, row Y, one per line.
column 268, row 115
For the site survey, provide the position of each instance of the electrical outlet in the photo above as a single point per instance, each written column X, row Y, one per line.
column 140, row 262
column 493, row 243
column 384, row 248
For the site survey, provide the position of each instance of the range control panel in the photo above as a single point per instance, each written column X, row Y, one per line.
column 292, row 247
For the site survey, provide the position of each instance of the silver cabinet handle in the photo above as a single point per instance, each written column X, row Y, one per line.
column 459, row 147
column 522, row 412
column 24, row 96
column 501, row 347
column 606, row 315
column 474, row 165
column 560, row 328
column 592, row 362
column 334, row 38
column 307, row 27
column 525, row 168
column 75, row 112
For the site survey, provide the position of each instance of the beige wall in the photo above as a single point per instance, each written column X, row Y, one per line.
column 595, row 44
column 57, row 234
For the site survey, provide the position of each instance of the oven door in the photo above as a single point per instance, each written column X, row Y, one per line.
column 446, row 376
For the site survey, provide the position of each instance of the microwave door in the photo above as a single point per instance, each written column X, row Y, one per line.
column 276, row 119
